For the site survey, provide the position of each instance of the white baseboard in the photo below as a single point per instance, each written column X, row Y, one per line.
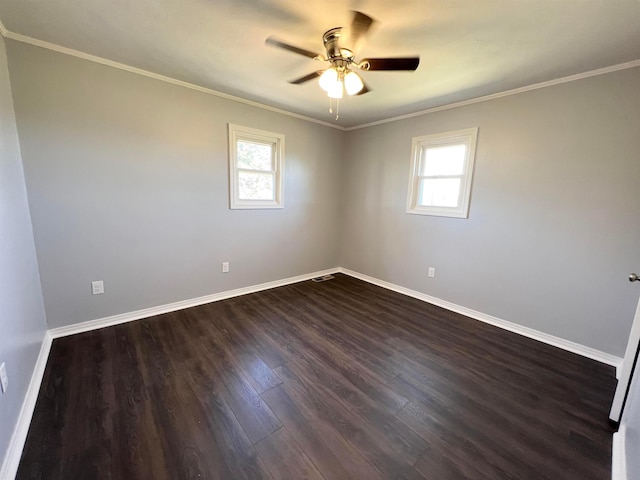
column 14, row 452
column 619, row 456
column 498, row 322
column 19, row 436
column 172, row 307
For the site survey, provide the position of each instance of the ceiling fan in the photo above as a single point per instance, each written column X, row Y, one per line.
column 341, row 46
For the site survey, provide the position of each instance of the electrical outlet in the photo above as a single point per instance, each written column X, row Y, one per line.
column 432, row 272
column 4, row 378
column 97, row 288
column 225, row 267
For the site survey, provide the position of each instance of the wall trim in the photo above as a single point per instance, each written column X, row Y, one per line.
column 619, row 455
column 562, row 343
column 495, row 321
column 121, row 66
column 19, row 435
column 172, row 307
column 506, row 93
column 163, row 78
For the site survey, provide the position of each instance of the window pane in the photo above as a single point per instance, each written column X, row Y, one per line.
column 255, row 156
column 255, row 186
column 439, row 192
column 444, row 160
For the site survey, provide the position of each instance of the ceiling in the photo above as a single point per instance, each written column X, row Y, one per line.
column 468, row 48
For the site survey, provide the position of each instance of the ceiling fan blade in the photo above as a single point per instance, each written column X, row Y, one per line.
column 300, row 51
column 406, row 63
column 306, row 78
column 359, row 28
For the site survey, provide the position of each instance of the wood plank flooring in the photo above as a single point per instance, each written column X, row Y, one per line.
column 332, row 380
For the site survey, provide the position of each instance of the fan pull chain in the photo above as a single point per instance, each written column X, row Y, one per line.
column 337, row 107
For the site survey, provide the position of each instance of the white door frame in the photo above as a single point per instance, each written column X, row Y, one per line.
column 630, row 362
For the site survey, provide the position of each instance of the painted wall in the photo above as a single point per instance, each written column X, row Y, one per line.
column 554, row 225
column 22, row 319
column 128, row 183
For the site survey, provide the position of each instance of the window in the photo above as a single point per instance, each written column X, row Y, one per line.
column 441, row 173
column 256, row 165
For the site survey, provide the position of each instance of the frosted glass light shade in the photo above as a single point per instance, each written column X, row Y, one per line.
column 352, row 83
column 336, row 90
column 328, row 79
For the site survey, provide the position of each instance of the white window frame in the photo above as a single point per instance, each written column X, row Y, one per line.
column 419, row 145
column 276, row 140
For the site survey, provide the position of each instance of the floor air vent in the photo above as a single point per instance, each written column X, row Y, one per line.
column 323, row 278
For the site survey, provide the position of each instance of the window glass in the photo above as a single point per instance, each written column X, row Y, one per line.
column 440, row 192
column 254, row 156
column 447, row 160
column 255, row 186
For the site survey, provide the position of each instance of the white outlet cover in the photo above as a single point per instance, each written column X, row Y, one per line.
column 225, row 267
column 432, row 272
column 97, row 287
column 4, row 378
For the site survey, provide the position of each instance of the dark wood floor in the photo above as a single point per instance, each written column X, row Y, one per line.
column 333, row 380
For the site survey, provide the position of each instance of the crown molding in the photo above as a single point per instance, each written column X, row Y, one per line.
column 506, row 93
column 163, row 78
column 138, row 71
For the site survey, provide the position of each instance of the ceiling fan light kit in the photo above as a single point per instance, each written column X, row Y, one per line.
column 340, row 77
column 335, row 90
column 328, row 78
column 353, row 83
column 335, row 80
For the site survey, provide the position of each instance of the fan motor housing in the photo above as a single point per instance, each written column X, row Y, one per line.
column 331, row 39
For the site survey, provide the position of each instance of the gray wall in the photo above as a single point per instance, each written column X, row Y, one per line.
column 22, row 320
column 128, row 183
column 554, row 226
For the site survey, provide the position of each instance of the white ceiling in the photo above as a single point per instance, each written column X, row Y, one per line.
column 468, row 48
